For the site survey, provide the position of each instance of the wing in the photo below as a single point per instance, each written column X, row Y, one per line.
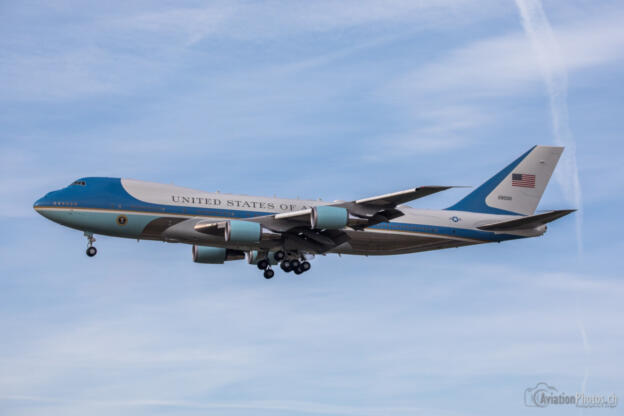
column 383, row 208
column 401, row 197
column 320, row 228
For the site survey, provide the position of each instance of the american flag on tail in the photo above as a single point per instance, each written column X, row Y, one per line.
column 523, row 179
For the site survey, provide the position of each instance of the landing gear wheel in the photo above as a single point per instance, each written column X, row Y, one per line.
column 295, row 263
column 263, row 264
column 91, row 251
column 298, row 270
column 279, row 255
column 268, row 273
column 285, row 265
column 305, row 266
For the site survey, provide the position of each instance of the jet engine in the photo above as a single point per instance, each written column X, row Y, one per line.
column 327, row 217
column 215, row 255
column 247, row 232
column 242, row 231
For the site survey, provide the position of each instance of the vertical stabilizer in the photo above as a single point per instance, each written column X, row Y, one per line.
column 518, row 188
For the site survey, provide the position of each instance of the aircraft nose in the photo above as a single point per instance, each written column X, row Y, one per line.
column 43, row 201
column 38, row 203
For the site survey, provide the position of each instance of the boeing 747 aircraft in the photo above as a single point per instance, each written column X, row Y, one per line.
column 289, row 232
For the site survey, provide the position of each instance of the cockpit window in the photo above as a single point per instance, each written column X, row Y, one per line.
column 80, row 183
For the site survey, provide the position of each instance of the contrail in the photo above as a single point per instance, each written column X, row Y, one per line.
column 587, row 350
column 553, row 70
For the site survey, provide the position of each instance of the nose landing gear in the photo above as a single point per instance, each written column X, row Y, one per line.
column 91, row 250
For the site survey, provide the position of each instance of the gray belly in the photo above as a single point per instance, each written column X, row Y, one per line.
column 383, row 243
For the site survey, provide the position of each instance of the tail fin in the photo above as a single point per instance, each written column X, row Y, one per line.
column 518, row 188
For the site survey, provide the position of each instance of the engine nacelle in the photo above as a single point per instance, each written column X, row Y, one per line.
column 215, row 255
column 242, row 232
column 326, row 217
column 247, row 232
column 254, row 256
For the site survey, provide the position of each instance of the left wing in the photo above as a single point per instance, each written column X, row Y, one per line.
column 383, row 208
column 360, row 214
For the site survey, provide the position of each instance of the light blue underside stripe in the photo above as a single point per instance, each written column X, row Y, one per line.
column 106, row 223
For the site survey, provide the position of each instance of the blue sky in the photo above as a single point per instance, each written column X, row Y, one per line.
column 338, row 100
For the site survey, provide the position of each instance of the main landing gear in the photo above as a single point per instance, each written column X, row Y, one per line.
column 288, row 263
column 293, row 265
column 91, row 250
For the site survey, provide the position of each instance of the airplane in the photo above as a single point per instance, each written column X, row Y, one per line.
column 290, row 232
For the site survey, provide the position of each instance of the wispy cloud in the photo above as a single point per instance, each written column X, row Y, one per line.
column 268, row 20
column 120, row 54
column 484, row 75
column 430, row 130
column 503, row 65
column 258, row 405
column 197, row 338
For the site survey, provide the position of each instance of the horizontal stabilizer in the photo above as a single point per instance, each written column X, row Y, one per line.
column 531, row 221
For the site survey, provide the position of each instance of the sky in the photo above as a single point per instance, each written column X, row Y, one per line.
column 332, row 99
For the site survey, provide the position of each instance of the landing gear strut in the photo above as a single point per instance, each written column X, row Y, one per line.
column 91, row 250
